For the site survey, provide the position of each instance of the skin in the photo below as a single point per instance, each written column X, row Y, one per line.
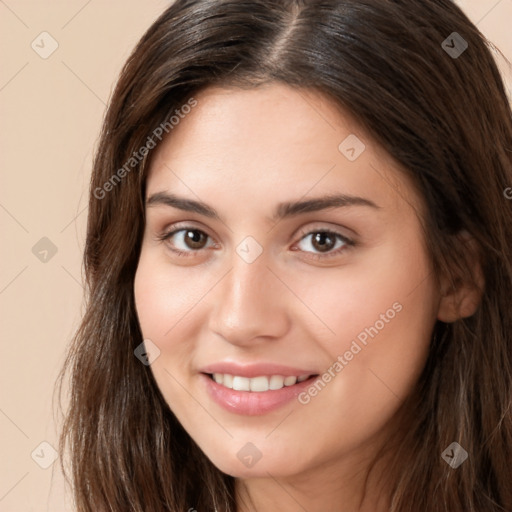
column 255, row 149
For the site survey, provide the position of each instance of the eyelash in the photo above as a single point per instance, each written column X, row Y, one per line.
column 317, row 256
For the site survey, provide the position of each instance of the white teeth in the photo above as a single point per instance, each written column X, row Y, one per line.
column 259, row 384
column 241, row 383
column 256, row 384
column 228, row 381
column 290, row 381
column 276, row 382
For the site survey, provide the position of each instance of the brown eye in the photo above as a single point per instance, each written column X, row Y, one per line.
column 195, row 239
column 186, row 240
column 323, row 241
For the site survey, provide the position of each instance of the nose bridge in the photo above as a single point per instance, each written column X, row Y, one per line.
column 248, row 304
column 244, row 289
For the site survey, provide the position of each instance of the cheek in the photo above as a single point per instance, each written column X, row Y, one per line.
column 382, row 320
column 165, row 295
column 162, row 303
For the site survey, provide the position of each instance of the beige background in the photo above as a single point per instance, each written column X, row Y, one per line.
column 51, row 111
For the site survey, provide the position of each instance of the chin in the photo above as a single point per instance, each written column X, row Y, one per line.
column 277, row 465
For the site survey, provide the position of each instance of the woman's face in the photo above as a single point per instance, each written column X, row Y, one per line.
column 278, row 246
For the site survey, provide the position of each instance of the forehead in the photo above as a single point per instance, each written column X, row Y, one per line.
column 275, row 117
column 271, row 141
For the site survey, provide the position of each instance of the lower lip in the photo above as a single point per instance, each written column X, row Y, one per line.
column 252, row 403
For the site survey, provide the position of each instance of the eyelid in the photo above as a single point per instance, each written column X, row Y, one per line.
column 322, row 227
column 179, row 226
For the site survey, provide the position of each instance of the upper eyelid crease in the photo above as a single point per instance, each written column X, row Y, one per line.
column 283, row 210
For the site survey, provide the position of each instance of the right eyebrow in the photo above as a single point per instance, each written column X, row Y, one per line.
column 188, row 205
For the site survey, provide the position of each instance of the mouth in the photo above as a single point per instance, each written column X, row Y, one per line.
column 258, row 384
column 254, row 396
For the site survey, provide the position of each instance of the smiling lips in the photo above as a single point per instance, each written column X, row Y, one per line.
column 254, row 389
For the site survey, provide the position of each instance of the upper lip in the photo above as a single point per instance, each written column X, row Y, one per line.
column 255, row 369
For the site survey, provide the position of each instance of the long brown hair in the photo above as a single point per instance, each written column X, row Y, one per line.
column 443, row 117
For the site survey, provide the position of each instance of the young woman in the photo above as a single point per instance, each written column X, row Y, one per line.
column 299, row 263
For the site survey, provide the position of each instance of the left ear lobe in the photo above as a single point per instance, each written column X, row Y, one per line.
column 461, row 292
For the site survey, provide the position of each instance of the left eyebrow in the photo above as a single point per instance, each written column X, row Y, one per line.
column 283, row 210
column 290, row 209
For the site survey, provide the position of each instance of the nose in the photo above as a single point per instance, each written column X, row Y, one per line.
column 249, row 304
